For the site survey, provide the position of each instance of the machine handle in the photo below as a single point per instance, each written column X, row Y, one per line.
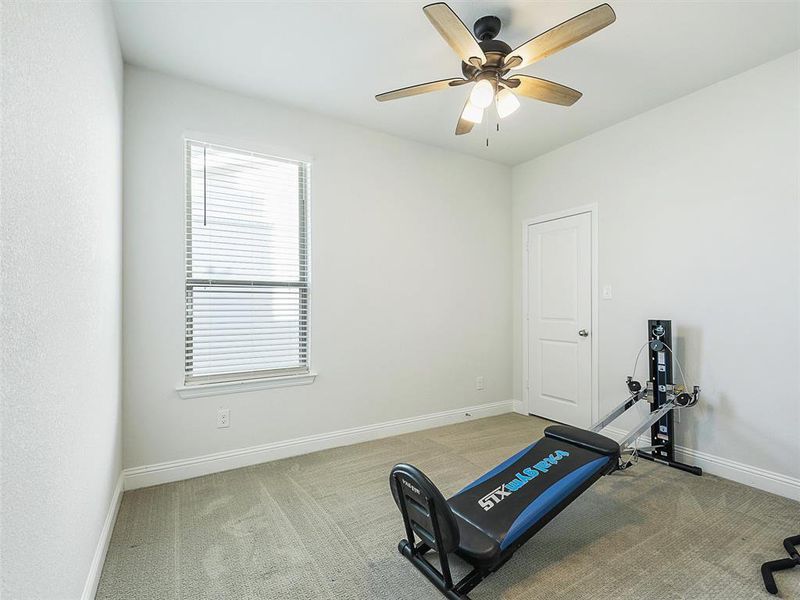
column 583, row 333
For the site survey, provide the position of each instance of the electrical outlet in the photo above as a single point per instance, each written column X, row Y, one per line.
column 479, row 383
column 223, row 418
column 607, row 292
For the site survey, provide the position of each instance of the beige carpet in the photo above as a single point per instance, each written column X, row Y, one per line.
column 324, row 526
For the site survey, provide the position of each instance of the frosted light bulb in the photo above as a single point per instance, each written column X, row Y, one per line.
column 482, row 94
column 507, row 102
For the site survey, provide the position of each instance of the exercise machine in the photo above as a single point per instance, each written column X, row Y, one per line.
column 768, row 568
column 491, row 518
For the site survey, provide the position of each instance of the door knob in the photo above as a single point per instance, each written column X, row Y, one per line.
column 583, row 333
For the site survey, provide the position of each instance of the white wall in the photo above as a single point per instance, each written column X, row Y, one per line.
column 60, row 292
column 698, row 204
column 410, row 276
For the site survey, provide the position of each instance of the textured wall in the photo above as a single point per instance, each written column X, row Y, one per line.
column 60, row 237
column 698, row 204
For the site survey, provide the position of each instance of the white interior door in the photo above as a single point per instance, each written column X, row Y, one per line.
column 559, row 319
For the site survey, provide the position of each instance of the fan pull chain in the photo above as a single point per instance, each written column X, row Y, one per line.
column 497, row 128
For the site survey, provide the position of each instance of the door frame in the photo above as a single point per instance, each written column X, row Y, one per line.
column 592, row 210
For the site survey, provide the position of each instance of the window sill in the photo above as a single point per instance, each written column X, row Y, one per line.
column 205, row 390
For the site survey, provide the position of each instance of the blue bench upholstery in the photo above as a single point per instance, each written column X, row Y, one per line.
column 518, row 497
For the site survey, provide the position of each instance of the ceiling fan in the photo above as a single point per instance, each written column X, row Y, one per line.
column 487, row 61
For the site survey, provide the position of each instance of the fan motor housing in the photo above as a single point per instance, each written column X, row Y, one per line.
column 495, row 51
column 486, row 30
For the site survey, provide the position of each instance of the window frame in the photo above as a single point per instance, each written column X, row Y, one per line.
column 233, row 381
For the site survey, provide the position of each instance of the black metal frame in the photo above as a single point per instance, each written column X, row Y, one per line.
column 443, row 580
column 768, row 568
column 662, row 433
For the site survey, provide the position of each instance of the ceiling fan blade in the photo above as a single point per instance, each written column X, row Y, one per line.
column 422, row 88
column 464, row 125
column 455, row 33
column 546, row 91
column 561, row 36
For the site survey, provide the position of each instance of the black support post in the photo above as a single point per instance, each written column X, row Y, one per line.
column 662, row 433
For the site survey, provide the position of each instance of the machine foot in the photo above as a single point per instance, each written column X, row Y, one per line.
column 429, row 571
column 672, row 463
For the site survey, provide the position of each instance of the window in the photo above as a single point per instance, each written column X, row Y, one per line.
column 246, row 265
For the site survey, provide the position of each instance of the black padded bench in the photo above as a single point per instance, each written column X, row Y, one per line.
column 487, row 521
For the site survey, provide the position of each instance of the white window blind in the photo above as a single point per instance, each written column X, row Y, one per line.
column 246, row 265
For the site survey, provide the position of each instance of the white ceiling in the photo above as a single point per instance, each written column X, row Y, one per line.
column 333, row 57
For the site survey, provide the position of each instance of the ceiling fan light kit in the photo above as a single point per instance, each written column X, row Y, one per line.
column 486, row 62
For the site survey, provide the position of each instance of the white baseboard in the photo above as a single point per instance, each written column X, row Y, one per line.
column 769, row 481
column 519, row 408
column 96, row 568
column 177, row 470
